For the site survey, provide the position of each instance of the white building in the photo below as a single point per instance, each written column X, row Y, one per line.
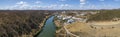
column 66, row 17
column 59, row 17
column 70, row 21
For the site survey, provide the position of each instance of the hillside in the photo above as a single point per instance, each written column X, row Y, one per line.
column 18, row 23
column 105, row 15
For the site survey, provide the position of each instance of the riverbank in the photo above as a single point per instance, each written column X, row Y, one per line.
column 47, row 26
column 35, row 32
column 41, row 26
column 60, row 31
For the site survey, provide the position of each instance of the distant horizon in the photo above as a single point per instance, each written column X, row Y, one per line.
column 62, row 9
column 59, row 4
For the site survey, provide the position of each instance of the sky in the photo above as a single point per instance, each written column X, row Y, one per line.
column 58, row 4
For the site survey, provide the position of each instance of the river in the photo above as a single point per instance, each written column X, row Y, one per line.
column 48, row 29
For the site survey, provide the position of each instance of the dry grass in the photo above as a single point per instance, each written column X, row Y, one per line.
column 105, row 22
column 85, row 30
column 78, row 27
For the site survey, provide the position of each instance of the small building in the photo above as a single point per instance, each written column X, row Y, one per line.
column 70, row 21
column 59, row 17
column 67, row 17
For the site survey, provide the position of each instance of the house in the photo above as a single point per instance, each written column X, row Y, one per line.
column 78, row 19
column 83, row 13
column 64, row 18
column 67, row 17
column 63, row 12
column 70, row 21
column 59, row 17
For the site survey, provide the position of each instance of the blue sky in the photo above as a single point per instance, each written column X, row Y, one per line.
column 58, row 4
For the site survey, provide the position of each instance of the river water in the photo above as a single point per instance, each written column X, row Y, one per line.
column 48, row 29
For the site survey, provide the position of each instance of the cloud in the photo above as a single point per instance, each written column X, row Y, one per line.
column 58, row 6
column 19, row 5
column 22, row 5
column 64, row 5
column 62, row 0
column 38, row 2
column 52, row 6
column 82, row 2
column 21, row 2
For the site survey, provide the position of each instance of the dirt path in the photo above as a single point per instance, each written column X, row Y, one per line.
column 69, row 32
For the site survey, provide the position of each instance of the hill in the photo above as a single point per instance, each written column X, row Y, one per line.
column 105, row 15
column 17, row 23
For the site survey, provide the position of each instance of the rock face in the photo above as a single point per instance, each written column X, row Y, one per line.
column 21, row 23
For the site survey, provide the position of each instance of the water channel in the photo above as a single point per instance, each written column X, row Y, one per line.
column 48, row 29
